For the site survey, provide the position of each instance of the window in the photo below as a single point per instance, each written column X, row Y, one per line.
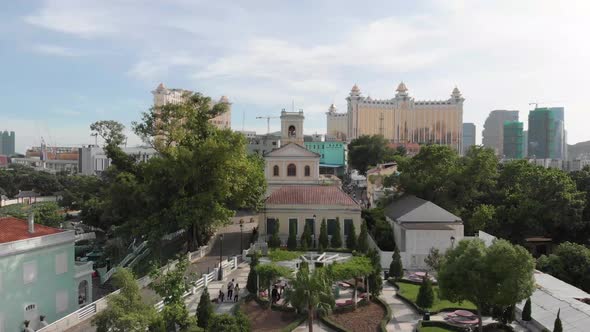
column 331, row 226
column 29, row 272
column 310, row 222
column 291, row 131
column 61, row 301
column 307, row 171
column 347, row 226
column 271, row 225
column 275, row 170
column 293, row 226
column 82, row 292
column 291, row 170
column 61, row 263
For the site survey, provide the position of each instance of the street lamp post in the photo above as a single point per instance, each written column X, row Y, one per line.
column 241, row 236
column 452, row 242
column 313, row 230
column 220, row 274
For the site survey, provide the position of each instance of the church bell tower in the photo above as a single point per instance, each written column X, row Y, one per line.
column 292, row 127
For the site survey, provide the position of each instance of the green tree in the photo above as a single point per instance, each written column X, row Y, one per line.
column 482, row 216
column 355, row 268
column 375, row 280
column 125, row 310
column 306, row 237
column 252, row 283
column 275, row 240
column 323, row 240
column 569, row 262
column 425, row 297
column 242, row 320
column 311, row 292
column 396, row 269
column 269, row 273
column 500, row 275
column 434, row 259
column 336, row 240
column 363, row 241
column 351, row 238
column 292, row 240
column 526, row 311
column 204, row 309
column 557, row 325
column 366, row 151
column 196, row 198
column 171, row 286
column 48, row 214
column 223, row 323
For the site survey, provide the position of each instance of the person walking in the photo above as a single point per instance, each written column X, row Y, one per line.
column 236, row 292
column 230, row 289
column 220, row 297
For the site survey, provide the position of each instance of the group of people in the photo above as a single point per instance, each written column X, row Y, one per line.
column 233, row 292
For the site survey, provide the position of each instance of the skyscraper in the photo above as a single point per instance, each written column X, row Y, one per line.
column 513, row 140
column 551, row 138
column 541, row 134
column 7, row 143
column 493, row 129
column 468, row 136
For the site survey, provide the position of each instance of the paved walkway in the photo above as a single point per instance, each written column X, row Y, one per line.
column 405, row 318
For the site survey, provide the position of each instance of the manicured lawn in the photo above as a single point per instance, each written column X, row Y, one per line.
column 433, row 329
column 278, row 255
column 410, row 291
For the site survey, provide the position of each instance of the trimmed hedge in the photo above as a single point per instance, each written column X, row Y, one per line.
column 294, row 324
column 498, row 326
column 333, row 325
column 442, row 325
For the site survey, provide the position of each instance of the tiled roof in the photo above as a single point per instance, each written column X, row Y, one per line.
column 410, row 208
column 310, row 195
column 26, row 193
column 13, row 229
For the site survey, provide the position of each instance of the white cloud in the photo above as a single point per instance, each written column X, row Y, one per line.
column 500, row 53
column 56, row 50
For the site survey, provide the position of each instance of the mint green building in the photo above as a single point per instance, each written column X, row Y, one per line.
column 39, row 275
column 332, row 156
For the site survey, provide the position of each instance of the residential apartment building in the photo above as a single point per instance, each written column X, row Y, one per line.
column 93, row 159
column 547, row 137
column 163, row 96
column 38, row 274
column 513, row 140
column 468, row 136
column 332, row 155
column 401, row 119
column 262, row 144
column 7, row 143
column 493, row 129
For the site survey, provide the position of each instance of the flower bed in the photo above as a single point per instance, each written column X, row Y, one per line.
column 365, row 318
column 268, row 320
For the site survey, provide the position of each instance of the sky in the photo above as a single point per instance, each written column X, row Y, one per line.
column 67, row 63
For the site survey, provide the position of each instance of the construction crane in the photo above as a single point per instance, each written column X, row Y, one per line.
column 268, row 121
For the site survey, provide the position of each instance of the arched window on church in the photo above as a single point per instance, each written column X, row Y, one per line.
column 307, row 171
column 291, row 170
column 291, row 131
column 275, row 170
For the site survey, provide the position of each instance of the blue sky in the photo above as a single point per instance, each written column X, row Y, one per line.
column 65, row 64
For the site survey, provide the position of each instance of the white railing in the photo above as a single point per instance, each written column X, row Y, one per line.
column 39, row 199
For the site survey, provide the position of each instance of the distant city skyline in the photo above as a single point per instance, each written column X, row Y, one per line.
column 70, row 63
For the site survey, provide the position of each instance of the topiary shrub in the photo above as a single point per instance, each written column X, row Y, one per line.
column 425, row 297
column 336, row 241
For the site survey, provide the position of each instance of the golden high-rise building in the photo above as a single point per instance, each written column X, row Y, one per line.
column 163, row 96
column 400, row 119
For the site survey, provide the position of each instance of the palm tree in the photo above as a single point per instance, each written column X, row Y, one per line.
column 311, row 292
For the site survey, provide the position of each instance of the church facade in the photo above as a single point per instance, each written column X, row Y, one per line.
column 400, row 119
